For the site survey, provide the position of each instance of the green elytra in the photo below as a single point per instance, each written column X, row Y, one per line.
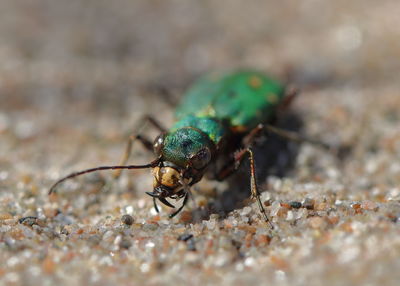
column 244, row 98
column 219, row 104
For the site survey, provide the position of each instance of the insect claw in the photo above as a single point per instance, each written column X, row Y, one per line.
column 163, row 200
column 152, row 194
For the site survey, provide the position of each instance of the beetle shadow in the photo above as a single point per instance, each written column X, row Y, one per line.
column 274, row 156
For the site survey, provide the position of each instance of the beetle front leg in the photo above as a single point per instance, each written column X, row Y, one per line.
column 128, row 150
column 147, row 143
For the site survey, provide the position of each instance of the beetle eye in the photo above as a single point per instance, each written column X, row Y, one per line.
column 158, row 143
column 201, row 159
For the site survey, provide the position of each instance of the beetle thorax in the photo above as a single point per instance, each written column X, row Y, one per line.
column 187, row 146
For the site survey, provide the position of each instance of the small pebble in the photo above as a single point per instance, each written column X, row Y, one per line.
column 290, row 215
column 295, row 205
column 316, row 222
column 279, row 262
column 190, row 242
column 248, row 239
column 29, row 220
column 236, row 244
column 191, row 246
column 127, row 219
column 320, row 206
column 186, row 217
column 5, row 216
column 48, row 265
column 285, row 205
column 308, row 204
column 246, row 211
column 267, row 203
column 369, row 205
column 185, row 237
column 94, row 240
column 247, row 228
column 125, row 243
column 263, row 240
column 275, row 208
column 347, row 227
column 357, row 208
column 282, row 212
column 333, row 219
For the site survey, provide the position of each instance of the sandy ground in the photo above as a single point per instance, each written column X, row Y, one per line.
column 75, row 76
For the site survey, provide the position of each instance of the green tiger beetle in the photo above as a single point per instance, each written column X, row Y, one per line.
column 216, row 124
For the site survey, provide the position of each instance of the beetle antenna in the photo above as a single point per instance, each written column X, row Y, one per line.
column 102, row 168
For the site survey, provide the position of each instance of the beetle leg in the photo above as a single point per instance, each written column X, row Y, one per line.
column 254, row 188
column 229, row 169
column 234, row 163
column 185, row 199
column 150, row 119
column 248, row 140
column 128, row 149
column 147, row 143
column 296, row 137
column 168, row 94
column 289, row 135
column 290, row 94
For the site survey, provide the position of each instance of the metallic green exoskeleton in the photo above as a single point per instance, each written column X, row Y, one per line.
column 243, row 99
column 218, row 119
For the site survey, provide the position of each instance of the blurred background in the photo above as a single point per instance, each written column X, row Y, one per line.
column 86, row 65
column 101, row 51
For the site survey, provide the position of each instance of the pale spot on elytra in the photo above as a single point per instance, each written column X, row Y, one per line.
column 272, row 98
column 210, row 110
column 255, row 81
